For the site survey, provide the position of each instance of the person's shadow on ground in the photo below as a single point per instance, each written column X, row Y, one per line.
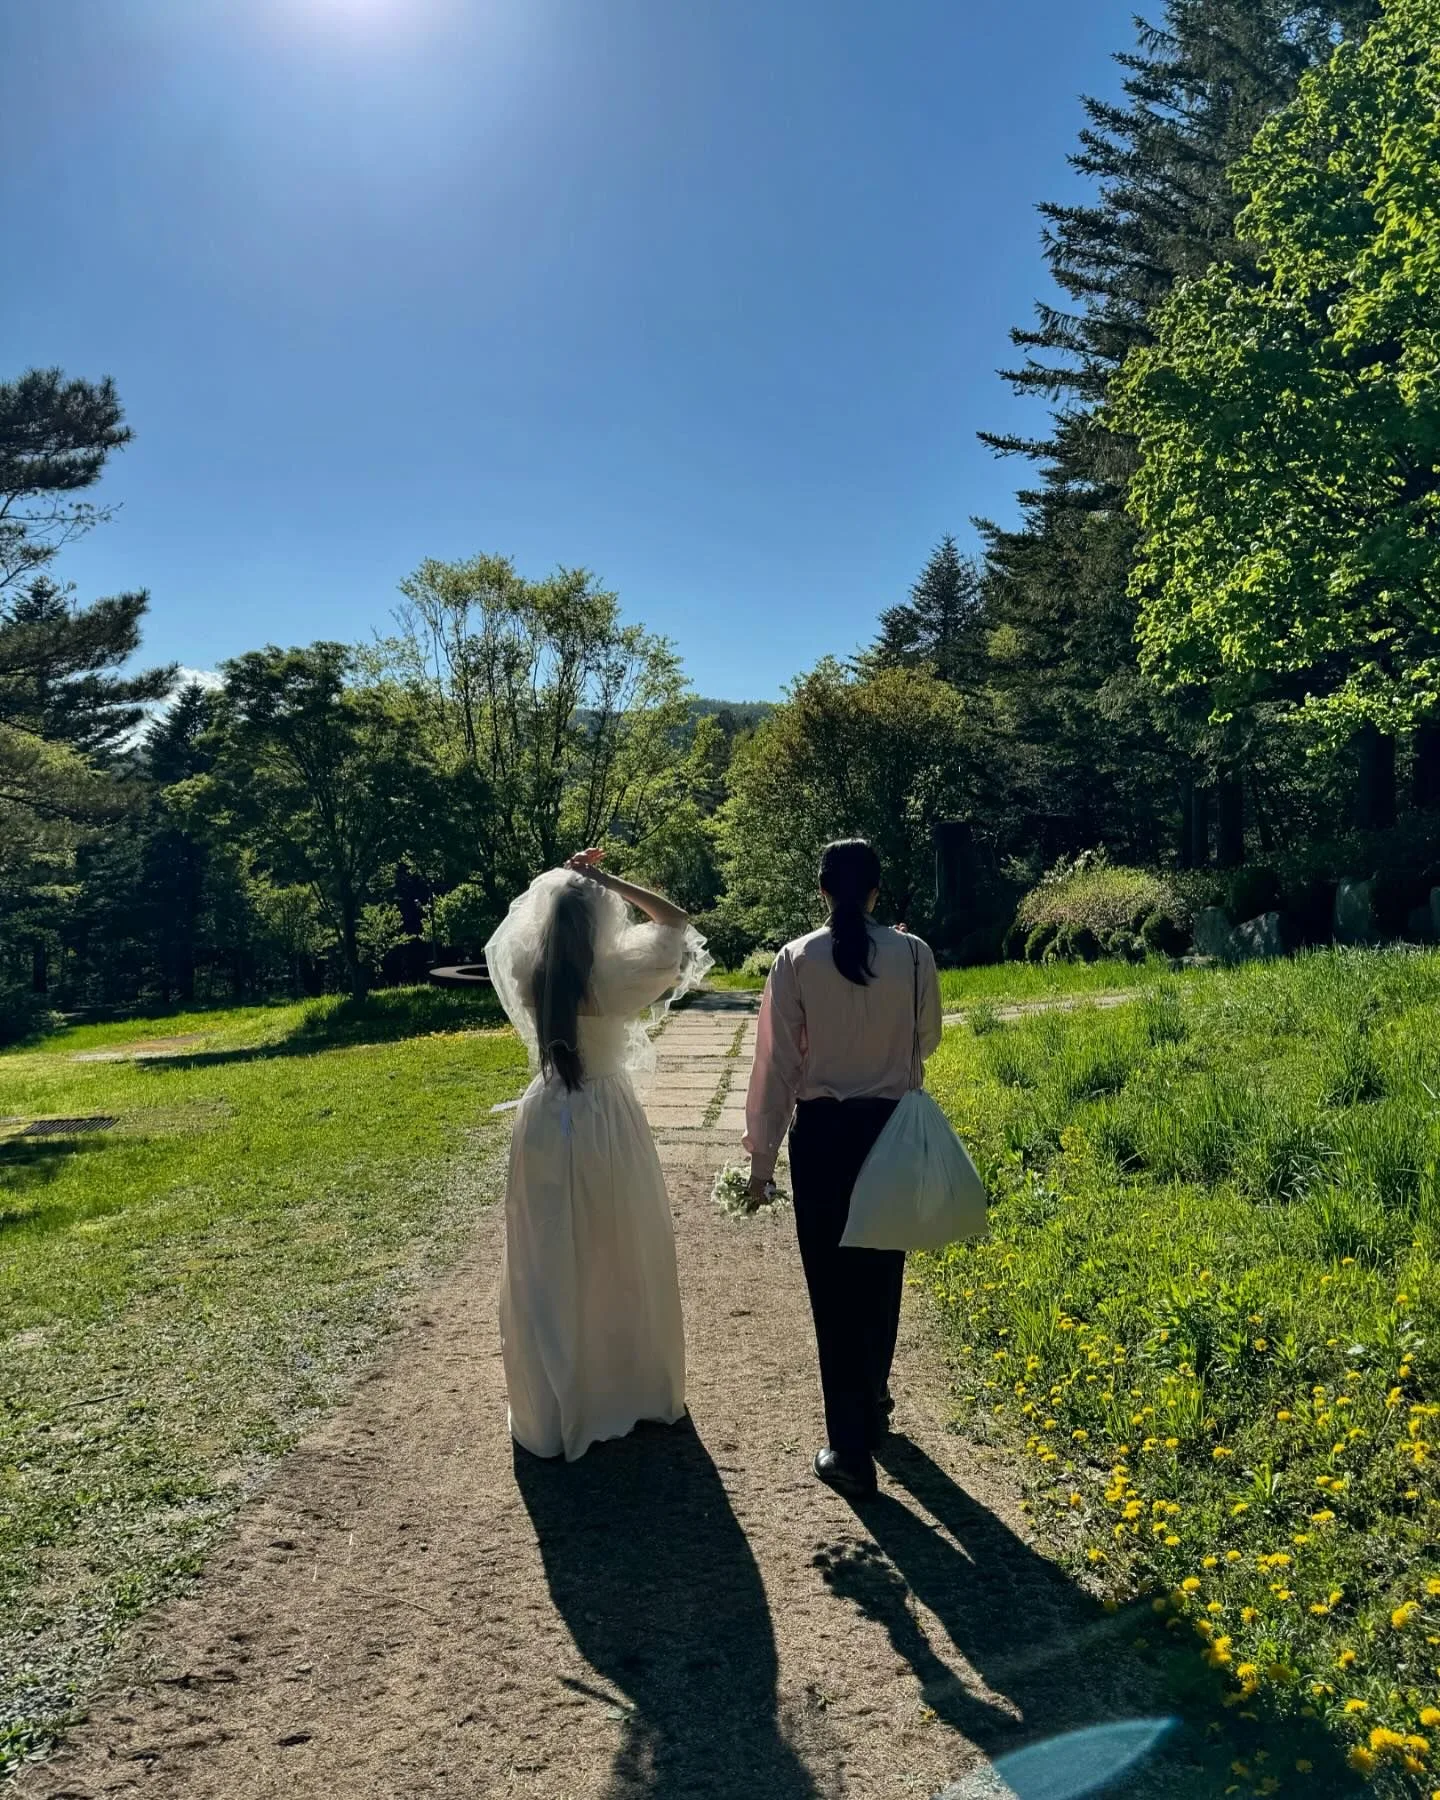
column 1053, row 1661
column 649, row 1567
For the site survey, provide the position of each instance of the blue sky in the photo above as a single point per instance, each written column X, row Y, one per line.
column 706, row 295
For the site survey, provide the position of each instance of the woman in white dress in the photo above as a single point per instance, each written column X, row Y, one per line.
column 590, row 1324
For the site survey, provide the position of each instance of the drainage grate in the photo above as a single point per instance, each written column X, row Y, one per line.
column 68, row 1127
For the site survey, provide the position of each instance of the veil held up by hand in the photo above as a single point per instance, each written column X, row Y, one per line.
column 639, row 970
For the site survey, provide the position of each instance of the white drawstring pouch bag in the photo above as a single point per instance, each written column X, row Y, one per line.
column 918, row 1189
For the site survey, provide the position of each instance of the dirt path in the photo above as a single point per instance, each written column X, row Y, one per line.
column 1022, row 1009
column 411, row 1608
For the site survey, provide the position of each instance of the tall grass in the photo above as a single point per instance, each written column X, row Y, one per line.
column 1208, row 1319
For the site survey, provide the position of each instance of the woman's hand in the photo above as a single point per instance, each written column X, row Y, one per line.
column 587, row 862
column 760, row 1191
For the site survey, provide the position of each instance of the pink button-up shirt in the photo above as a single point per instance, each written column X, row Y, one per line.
column 821, row 1035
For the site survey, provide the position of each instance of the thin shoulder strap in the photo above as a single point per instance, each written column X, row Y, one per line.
column 916, row 1067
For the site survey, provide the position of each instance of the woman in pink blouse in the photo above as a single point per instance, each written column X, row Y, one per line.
column 835, row 1050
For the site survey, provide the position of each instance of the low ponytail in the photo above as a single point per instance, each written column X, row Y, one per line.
column 849, row 875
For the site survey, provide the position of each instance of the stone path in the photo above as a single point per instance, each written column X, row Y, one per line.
column 413, row 1608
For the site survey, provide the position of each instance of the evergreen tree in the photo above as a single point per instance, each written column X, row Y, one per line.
column 941, row 625
column 65, row 713
column 1197, row 87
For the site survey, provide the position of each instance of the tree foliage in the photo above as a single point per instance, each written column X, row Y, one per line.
column 1288, row 413
column 884, row 758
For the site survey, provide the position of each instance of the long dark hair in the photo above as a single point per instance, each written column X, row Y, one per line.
column 561, row 982
column 850, row 874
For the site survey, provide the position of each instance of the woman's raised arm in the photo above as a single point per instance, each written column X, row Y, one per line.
column 655, row 906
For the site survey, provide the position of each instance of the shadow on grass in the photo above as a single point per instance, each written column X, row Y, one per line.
column 650, row 1569
column 30, row 1163
column 388, row 1016
column 1068, row 1685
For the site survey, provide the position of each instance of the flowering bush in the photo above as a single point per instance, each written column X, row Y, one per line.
column 1090, row 893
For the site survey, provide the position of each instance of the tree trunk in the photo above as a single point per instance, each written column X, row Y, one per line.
column 1230, row 821
column 354, row 965
column 1375, row 796
column 1200, row 828
column 1425, row 777
column 1187, row 822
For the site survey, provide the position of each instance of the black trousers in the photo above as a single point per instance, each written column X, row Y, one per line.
column 854, row 1294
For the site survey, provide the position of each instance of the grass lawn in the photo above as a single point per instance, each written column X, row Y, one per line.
column 735, row 981
column 1208, row 1321
column 182, row 1293
column 997, row 983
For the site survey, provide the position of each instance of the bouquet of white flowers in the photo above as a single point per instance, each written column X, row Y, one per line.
column 731, row 1192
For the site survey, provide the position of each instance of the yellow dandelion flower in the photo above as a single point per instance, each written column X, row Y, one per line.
column 1345, row 1660
column 1303, row 1765
column 1190, row 1585
column 1430, row 1715
column 1403, row 1615
column 1232, row 1556
column 1323, row 1517
column 1209, row 1562
column 1357, row 1706
column 1432, row 1586
column 1095, row 1555
column 1249, row 1614
column 1171, row 1540
column 1382, row 1738
column 1247, row 1671
column 1284, row 1417
column 1240, row 1506
column 1361, row 1760
column 1215, row 1606
column 1219, row 1453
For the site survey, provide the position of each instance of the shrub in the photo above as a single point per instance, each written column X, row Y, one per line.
column 1037, row 941
column 758, row 962
column 1162, row 933
column 1013, row 946
column 728, row 941
column 1092, row 894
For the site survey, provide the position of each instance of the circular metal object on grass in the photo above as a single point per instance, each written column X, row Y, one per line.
column 462, row 975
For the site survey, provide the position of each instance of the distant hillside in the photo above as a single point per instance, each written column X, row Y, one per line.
column 744, row 713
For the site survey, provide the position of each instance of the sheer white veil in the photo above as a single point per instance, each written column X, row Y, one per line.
column 622, row 948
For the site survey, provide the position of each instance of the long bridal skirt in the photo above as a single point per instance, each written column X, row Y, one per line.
column 590, row 1325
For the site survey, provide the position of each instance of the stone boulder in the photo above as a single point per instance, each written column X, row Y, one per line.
column 1260, row 937
column 1214, row 935
column 1355, row 912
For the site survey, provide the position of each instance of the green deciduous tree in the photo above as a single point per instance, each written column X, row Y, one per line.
column 884, row 757
column 327, row 783
column 559, row 724
column 1288, row 414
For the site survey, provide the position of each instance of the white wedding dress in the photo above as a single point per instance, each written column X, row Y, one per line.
column 590, row 1324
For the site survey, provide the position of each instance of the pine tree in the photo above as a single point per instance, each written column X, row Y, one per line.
column 1106, row 760
column 66, row 715
column 941, row 625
